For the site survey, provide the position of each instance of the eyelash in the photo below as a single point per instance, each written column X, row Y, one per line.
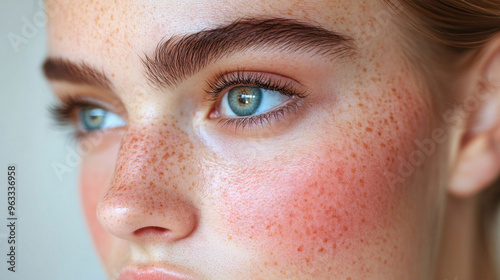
column 65, row 112
column 225, row 81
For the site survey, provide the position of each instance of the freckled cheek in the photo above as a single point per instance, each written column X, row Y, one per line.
column 309, row 207
column 330, row 198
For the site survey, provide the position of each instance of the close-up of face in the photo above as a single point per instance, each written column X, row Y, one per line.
column 255, row 140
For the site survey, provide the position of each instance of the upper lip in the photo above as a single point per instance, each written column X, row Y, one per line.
column 135, row 272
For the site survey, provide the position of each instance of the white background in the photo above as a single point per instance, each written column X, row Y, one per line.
column 52, row 239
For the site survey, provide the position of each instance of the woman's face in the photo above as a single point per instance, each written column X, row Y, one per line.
column 279, row 149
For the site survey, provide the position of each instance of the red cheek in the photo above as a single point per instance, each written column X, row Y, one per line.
column 308, row 207
column 331, row 198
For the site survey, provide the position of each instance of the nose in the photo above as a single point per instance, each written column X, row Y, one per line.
column 149, row 196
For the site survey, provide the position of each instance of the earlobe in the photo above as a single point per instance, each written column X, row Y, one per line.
column 477, row 167
column 478, row 159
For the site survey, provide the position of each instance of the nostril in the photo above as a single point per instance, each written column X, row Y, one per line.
column 151, row 231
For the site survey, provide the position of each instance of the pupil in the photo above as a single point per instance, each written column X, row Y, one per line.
column 94, row 119
column 245, row 98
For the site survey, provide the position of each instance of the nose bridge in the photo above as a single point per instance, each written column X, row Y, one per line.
column 149, row 189
column 151, row 155
column 154, row 149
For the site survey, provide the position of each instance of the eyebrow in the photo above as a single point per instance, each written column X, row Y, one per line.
column 177, row 58
column 60, row 69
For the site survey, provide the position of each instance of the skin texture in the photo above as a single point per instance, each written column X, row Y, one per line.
column 309, row 196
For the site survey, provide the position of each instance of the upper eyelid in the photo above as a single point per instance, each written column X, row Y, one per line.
column 118, row 108
column 249, row 74
column 223, row 81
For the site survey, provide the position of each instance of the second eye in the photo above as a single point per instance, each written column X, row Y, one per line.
column 98, row 119
column 245, row 101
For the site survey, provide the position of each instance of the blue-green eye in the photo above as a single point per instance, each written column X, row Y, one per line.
column 98, row 119
column 246, row 101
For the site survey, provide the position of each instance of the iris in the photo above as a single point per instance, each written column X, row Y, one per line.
column 245, row 101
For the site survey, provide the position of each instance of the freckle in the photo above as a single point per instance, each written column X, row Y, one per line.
column 369, row 129
column 300, row 249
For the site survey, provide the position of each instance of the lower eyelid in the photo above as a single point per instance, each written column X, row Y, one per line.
column 294, row 106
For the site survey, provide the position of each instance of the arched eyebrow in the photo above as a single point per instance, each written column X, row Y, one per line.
column 177, row 58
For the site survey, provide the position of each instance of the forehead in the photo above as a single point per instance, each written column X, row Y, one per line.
column 95, row 29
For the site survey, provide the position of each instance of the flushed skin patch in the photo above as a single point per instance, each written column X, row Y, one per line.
column 328, row 198
column 307, row 197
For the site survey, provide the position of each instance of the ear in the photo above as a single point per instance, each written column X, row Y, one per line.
column 478, row 157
